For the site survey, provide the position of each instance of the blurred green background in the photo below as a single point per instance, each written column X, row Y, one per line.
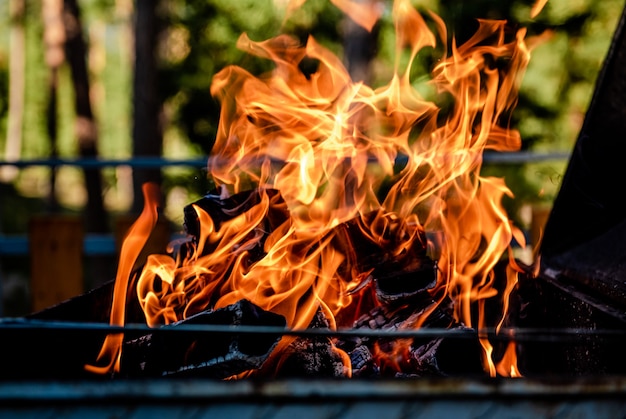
column 196, row 38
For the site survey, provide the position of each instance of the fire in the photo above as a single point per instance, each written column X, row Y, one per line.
column 136, row 239
column 507, row 367
column 537, row 7
column 329, row 146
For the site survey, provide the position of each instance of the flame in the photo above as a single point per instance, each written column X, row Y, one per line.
column 135, row 239
column 364, row 13
column 507, row 367
column 537, row 8
column 329, row 145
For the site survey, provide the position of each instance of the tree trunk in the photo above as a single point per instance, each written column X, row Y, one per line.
column 361, row 47
column 52, row 130
column 86, row 132
column 54, row 40
column 147, row 133
column 16, row 88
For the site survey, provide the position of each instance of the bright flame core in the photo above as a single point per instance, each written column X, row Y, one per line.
column 329, row 146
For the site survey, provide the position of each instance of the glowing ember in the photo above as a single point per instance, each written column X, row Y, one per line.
column 331, row 147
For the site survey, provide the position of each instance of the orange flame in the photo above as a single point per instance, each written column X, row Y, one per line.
column 364, row 13
column 328, row 145
column 537, row 8
column 133, row 243
column 507, row 367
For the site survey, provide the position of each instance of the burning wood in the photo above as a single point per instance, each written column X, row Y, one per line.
column 419, row 357
column 213, row 355
column 313, row 356
column 392, row 250
column 221, row 210
column 446, row 357
column 402, row 286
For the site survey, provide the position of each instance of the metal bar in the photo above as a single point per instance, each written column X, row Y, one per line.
column 519, row 157
column 136, row 162
column 13, row 245
column 509, row 334
column 93, row 245
column 318, row 389
column 316, row 398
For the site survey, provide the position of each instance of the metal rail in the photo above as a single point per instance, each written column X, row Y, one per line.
column 93, row 245
column 317, row 398
column 505, row 334
column 85, row 163
column 519, row 157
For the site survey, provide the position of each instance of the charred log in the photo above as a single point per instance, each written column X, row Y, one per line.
column 406, row 286
column 217, row 355
column 383, row 243
column 313, row 356
column 363, row 362
column 448, row 357
column 223, row 209
column 421, row 357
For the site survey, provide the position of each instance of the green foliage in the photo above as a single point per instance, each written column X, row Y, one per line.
column 208, row 31
column 4, row 96
column 34, row 134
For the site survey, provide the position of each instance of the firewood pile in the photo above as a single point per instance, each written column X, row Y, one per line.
column 400, row 286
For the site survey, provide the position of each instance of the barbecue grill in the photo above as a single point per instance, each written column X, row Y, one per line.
column 567, row 323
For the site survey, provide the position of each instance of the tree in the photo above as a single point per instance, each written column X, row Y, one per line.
column 147, row 132
column 86, row 128
column 16, row 87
